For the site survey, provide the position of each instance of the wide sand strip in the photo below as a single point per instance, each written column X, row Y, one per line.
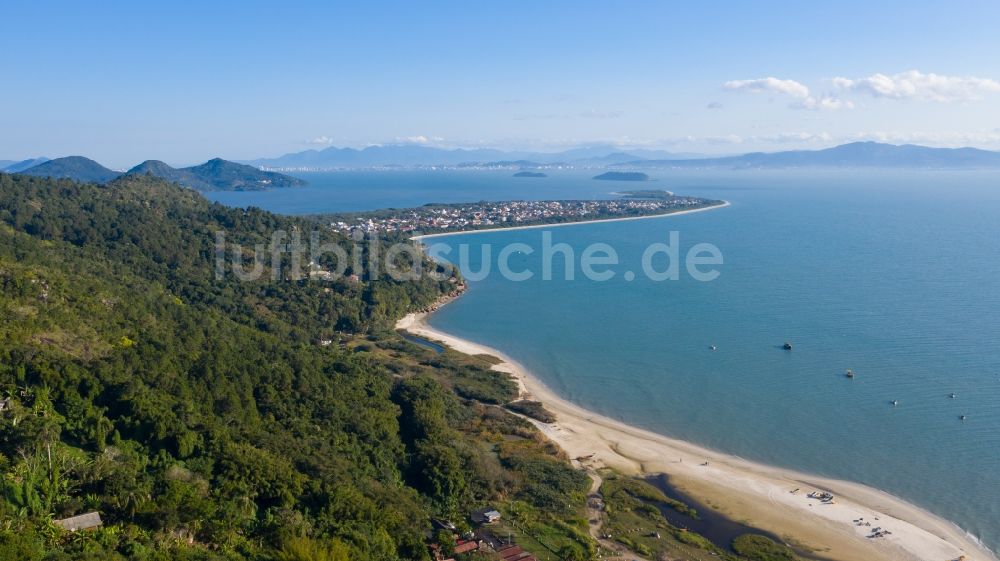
column 756, row 494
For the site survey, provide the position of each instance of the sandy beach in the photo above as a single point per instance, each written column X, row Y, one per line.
column 756, row 494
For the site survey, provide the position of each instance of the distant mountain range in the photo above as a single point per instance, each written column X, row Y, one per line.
column 222, row 175
column 856, row 154
column 408, row 155
column 14, row 167
column 213, row 175
column 853, row 155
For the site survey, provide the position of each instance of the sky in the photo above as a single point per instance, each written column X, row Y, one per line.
column 183, row 82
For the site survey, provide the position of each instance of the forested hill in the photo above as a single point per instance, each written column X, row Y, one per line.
column 214, row 175
column 221, row 419
column 72, row 167
column 217, row 175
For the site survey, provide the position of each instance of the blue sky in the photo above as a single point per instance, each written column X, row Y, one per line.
column 184, row 81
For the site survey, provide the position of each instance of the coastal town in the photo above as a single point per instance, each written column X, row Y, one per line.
column 503, row 214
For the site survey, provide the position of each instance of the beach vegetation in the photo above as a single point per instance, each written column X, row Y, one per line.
column 761, row 548
column 633, row 516
column 534, row 409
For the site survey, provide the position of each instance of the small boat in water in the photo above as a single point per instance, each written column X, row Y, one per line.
column 850, row 373
column 894, row 402
column 962, row 417
column 787, row 346
column 952, row 395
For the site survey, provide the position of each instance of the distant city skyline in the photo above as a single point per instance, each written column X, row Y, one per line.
column 185, row 82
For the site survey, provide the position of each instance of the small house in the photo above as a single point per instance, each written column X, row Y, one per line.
column 486, row 515
column 443, row 524
column 88, row 521
column 463, row 546
column 514, row 553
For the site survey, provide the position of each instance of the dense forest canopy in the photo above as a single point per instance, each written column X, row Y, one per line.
column 204, row 416
column 213, row 418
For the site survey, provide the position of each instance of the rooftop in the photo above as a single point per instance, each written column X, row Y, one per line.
column 81, row 522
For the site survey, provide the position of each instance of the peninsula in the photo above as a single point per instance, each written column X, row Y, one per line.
column 440, row 218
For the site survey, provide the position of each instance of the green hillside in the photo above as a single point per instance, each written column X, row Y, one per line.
column 217, row 175
column 72, row 167
column 200, row 417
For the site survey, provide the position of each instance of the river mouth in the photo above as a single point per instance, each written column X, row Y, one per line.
column 427, row 344
column 713, row 526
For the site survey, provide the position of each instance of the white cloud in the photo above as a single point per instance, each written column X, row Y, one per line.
column 823, row 104
column 791, row 88
column 418, row 139
column 769, row 85
column 984, row 138
column 320, row 141
column 917, row 85
column 595, row 114
column 734, row 139
column 912, row 84
column 792, row 137
column 726, row 139
column 949, row 139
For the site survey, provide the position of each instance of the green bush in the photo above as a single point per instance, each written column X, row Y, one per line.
column 761, row 548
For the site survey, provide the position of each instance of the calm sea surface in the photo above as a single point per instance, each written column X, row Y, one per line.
column 893, row 275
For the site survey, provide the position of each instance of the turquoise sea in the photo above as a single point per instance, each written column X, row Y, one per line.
column 895, row 275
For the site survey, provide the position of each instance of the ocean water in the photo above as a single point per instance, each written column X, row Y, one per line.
column 894, row 275
column 348, row 191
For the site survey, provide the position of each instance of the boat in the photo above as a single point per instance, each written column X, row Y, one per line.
column 952, row 395
column 894, row 402
column 713, row 347
column 962, row 417
column 850, row 373
column 787, row 346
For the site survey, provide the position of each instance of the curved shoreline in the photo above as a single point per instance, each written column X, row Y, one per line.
column 757, row 494
column 750, row 492
column 722, row 204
